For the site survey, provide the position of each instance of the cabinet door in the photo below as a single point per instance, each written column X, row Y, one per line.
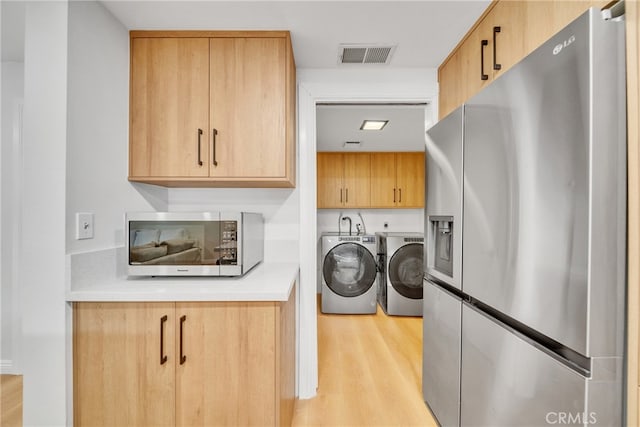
column 544, row 19
column 357, row 178
column 228, row 376
column 451, row 91
column 330, row 167
column 507, row 44
column 118, row 376
column 169, row 105
column 410, row 179
column 475, row 60
column 248, row 108
column 383, row 180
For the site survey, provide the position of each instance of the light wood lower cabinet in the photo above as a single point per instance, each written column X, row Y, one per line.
column 184, row 363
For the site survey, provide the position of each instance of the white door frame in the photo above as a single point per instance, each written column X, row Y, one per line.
column 309, row 94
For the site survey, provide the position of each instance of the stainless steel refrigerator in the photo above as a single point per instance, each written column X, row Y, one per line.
column 525, row 250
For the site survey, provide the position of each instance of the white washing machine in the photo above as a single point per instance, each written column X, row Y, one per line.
column 400, row 276
column 348, row 273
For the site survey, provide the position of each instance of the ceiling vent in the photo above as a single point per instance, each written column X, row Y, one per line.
column 365, row 54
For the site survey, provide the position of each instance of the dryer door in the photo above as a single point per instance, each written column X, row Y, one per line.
column 405, row 270
column 349, row 269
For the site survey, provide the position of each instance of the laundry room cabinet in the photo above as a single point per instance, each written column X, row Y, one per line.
column 343, row 180
column 397, row 180
column 212, row 109
column 505, row 33
column 184, row 363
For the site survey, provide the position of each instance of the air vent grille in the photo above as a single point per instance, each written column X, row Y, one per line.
column 365, row 54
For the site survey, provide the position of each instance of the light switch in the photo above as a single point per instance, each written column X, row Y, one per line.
column 84, row 225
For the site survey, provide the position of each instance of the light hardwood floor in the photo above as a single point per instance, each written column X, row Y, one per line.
column 10, row 400
column 370, row 373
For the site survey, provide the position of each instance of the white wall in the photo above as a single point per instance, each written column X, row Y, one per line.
column 279, row 206
column 12, row 90
column 98, row 130
column 42, row 269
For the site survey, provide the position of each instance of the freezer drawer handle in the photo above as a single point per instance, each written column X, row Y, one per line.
column 199, row 147
column 163, row 357
column 183, row 358
column 483, row 76
column 496, row 66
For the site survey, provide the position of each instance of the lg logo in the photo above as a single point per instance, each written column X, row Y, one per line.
column 558, row 48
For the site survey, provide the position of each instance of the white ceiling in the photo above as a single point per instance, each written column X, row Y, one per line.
column 337, row 124
column 425, row 31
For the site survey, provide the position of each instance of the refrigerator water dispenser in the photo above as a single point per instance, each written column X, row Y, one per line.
column 442, row 232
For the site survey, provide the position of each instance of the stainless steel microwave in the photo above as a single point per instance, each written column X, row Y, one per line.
column 193, row 243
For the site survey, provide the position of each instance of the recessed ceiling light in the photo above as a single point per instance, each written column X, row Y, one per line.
column 373, row 124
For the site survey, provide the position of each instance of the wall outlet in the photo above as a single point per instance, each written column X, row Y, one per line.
column 84, row 225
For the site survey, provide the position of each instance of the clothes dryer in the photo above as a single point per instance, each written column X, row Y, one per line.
column 400, row 258
column 348, row 273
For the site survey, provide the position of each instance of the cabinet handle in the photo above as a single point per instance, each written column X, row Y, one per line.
column 199, row 147
column 215, row 133
column 483, row 76
column 346, row 197
column 496, row 66
column 163, row 357
column 400, row 199
column 341, row 195
column 183, row 358
column 394, row 195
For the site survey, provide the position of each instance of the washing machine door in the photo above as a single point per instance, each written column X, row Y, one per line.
column 349, row 269
column 405, row 270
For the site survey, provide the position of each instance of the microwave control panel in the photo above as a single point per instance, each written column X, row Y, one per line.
column 229, row 243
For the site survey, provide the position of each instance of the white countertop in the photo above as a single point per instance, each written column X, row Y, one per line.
column 97, row 276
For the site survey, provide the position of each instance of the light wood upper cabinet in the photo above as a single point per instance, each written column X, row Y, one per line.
column 227, row 363
column 397, row 180
column 357, row 175
column 370, row 180
column 506, row 32
column 248, row 109
column 410, row 179
column 212, row 109
column 330, row 169
column 343, row 180
column 169, row 104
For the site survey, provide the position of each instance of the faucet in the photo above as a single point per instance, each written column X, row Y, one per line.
column 358, row 229
column 345, row 218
